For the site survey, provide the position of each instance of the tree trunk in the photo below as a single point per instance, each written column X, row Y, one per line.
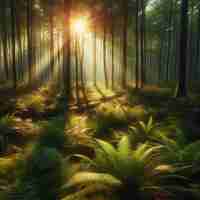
column 29, row 39
column 125, row 23
column 142, row 44
column 13, row 31
column 169, row 41
column 197, row 62
column 182, row 88
column 77, row 69
column 5, row 38
column 137, row 45
column 105, row 56
column 67, row 50
column 95, row 56
column 113, row 51
column 52, row 56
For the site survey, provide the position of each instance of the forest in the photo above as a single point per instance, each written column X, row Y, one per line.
column 99, row 100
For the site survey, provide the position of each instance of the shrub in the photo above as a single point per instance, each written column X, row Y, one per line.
column 7, row 168
column 109, row 116
column 7, row 121
column 39, row 175
column 145, row 132
column 52, row 137
column 6, row 124
column 134, row 173
column 34, row 103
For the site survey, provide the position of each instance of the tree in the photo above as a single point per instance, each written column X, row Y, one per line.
column 13, row 30
column 181, row 87
column 137, row 45
column 197, row 63
column 67, row 49
column 142, row 27
column 5, row 37
column 29, row 39
column 105, row 50
column 125, row 35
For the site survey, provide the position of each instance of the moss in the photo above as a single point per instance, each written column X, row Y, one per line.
column 7, row 168
column 109, row 116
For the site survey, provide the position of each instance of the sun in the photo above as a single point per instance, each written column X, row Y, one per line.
column 79, row 26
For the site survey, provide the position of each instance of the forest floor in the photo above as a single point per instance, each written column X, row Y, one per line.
column 106, row 114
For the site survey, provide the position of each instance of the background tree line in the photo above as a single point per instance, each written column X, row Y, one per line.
column 132, row 42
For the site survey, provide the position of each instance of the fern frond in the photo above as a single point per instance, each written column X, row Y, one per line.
column 148, row 153
column 191, row 151
column 140, row 150
column 85, row 178
column 149, row 125
column 109, row 151
column 124, row 147
column 86, row 159
column 81, row 195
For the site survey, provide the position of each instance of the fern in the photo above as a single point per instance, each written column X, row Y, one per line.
column 121, row 167
column 143, row 132
column 84, row 178
column 39, row 175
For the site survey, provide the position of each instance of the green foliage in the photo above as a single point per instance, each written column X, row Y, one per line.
column 138, row 112
column 137, row 170
column 7, row 168
column 92, row 177
column 143, row 132
column 109, row 116
column 33, row 103
column 182, row 154
column 7, row 121
column 40, row 175
column 6, row 128
column 52, row 136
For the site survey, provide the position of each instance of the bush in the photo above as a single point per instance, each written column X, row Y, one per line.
column 34, row 103
column 109, row 116
column 7, row 168
column 40, row 175
column 134, row 173
column 52, row 137
column 6, row 124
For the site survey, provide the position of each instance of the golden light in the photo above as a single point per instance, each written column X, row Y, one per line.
column 79, row 26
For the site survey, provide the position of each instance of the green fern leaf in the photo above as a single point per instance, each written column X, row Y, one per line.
column 124, row 147
column 85, row 178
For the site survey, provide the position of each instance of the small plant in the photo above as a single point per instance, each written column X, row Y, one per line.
column 6, row 124
column 184, row 154
column 52, row 137
column 7, row 121
column 34, row 103
column 7, row 168
column 40, row 175
column 109, row 116
column 132, row 172
column 143, row 132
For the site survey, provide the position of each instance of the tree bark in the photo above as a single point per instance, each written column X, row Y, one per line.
column 137, row 45
column 67, row 50
column 182, row 88
column 5, row 38
column 13, row 32
column 105, row 55
column 125, row 23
